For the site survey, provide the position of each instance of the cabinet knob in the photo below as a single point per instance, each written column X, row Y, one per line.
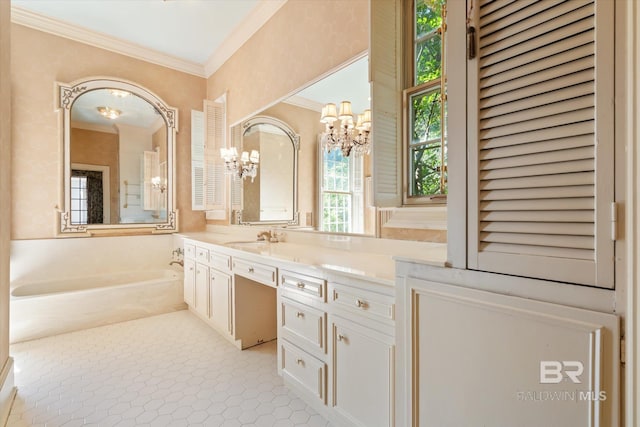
column 361, row 304
column 342, row 337
column 299, row 314
column 250, row 269
column 300, row 361
column 300, row 285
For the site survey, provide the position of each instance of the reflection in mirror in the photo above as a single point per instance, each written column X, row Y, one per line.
column 271, row 197
column 331, row 188
column 118, row 157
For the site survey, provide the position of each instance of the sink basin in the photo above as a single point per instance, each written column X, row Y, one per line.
column 250, row 245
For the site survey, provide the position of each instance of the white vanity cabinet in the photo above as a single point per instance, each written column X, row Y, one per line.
column 208, row 287
column 362, row 353
column 302, row 335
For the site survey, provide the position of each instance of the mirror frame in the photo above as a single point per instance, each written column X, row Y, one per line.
column 295, row 140
column 66, row 95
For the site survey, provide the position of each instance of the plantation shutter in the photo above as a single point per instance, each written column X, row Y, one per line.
column 385, row 60
column 197, row 160
column 214, row 188
column 541, row 156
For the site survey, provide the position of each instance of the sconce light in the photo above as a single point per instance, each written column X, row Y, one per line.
column 247, row 166
column 109, row 113
column 346, row 136
column 157, row 183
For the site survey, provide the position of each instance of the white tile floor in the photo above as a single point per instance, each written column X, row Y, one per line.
column 167, row 370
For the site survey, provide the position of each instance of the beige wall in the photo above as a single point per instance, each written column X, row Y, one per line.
column 99, row 148
column 5, row 180
column 38, row 60
column 302, row 41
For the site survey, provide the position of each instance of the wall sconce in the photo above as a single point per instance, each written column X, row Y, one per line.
column 247, row 166
column 157, row 183
column 346, row 136
column 109, row 113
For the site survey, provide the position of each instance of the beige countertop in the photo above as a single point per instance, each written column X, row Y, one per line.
column 346, row 257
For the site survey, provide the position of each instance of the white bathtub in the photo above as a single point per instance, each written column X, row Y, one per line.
column 43, row 308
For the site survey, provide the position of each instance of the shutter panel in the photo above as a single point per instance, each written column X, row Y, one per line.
column 214, row 165
column 541, row 156
column 385, row 60
column 197, row 160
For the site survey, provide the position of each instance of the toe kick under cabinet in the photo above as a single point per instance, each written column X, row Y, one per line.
column 336, row 333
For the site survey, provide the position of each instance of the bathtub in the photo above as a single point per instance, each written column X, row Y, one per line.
column 44, row 308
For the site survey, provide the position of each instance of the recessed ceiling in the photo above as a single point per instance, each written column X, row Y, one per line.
column 202, row 32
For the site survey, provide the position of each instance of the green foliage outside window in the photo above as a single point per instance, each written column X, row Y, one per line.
column 427, row 176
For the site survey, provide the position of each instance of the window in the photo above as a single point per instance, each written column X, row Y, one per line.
column 425, row 101
column 341, row 198
column 79, row 200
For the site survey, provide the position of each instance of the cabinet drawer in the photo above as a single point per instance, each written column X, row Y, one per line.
column 202, row 255
column 189, row 251
column 370, row 304
column 220, row 261
column 264, row 274
column 303, row 284
column 304, row 369
column 304, row 323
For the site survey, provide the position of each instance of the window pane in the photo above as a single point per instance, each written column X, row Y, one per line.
column 426, row 166
column 428, row 16
column 336, row 212
column 426, row 122
column 428, row 59
column 336, row 171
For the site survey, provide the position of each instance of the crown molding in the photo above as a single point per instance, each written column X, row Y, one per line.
column 59, row 28
column 258, row 16
column 302, row 102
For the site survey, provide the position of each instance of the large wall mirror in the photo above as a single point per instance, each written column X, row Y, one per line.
column 271, row 197
column 119, row 149
column 332, row 194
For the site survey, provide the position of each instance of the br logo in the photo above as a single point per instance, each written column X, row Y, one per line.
column 553, row 371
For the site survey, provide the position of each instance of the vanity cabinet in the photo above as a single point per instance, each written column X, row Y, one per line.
column 362, row 353
column 208, row 287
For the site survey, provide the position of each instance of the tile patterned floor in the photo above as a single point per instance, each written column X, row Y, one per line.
column 167, row 370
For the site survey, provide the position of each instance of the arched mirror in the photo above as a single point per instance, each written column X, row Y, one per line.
column 272, row 196
column 118, row 158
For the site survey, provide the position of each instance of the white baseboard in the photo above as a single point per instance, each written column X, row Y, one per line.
column 7, row 391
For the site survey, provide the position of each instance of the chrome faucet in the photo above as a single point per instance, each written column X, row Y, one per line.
column 265, row 235
column 180, row 262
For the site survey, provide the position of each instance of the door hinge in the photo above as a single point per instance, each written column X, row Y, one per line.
column 623, row 351
column 614, row 221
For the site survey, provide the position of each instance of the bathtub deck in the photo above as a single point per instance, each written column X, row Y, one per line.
column 170, row 369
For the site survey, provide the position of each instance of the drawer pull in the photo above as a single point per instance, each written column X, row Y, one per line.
column 300, row 361
column 250, row 269
column 300, row 285
column 361, row 304
column 342, row 337
column 299, row 314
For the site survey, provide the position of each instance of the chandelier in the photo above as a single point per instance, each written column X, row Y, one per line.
column 109, row 113
column 247, row 166
column 346, row 137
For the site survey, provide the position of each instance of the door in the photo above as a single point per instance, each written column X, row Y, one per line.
column 202, row 290
column 362, row 374
column 220, row 300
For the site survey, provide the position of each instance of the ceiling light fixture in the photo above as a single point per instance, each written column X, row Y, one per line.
column 109, row 113
column 346, row 137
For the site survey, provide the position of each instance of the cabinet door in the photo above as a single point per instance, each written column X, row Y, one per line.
column 189, row 281
column 220, row 300
column 202, row 290
column 362, row 374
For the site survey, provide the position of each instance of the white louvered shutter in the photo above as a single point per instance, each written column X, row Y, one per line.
column 197, row 160
column 215, row 136
column 385, row 60
column 541, row 157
